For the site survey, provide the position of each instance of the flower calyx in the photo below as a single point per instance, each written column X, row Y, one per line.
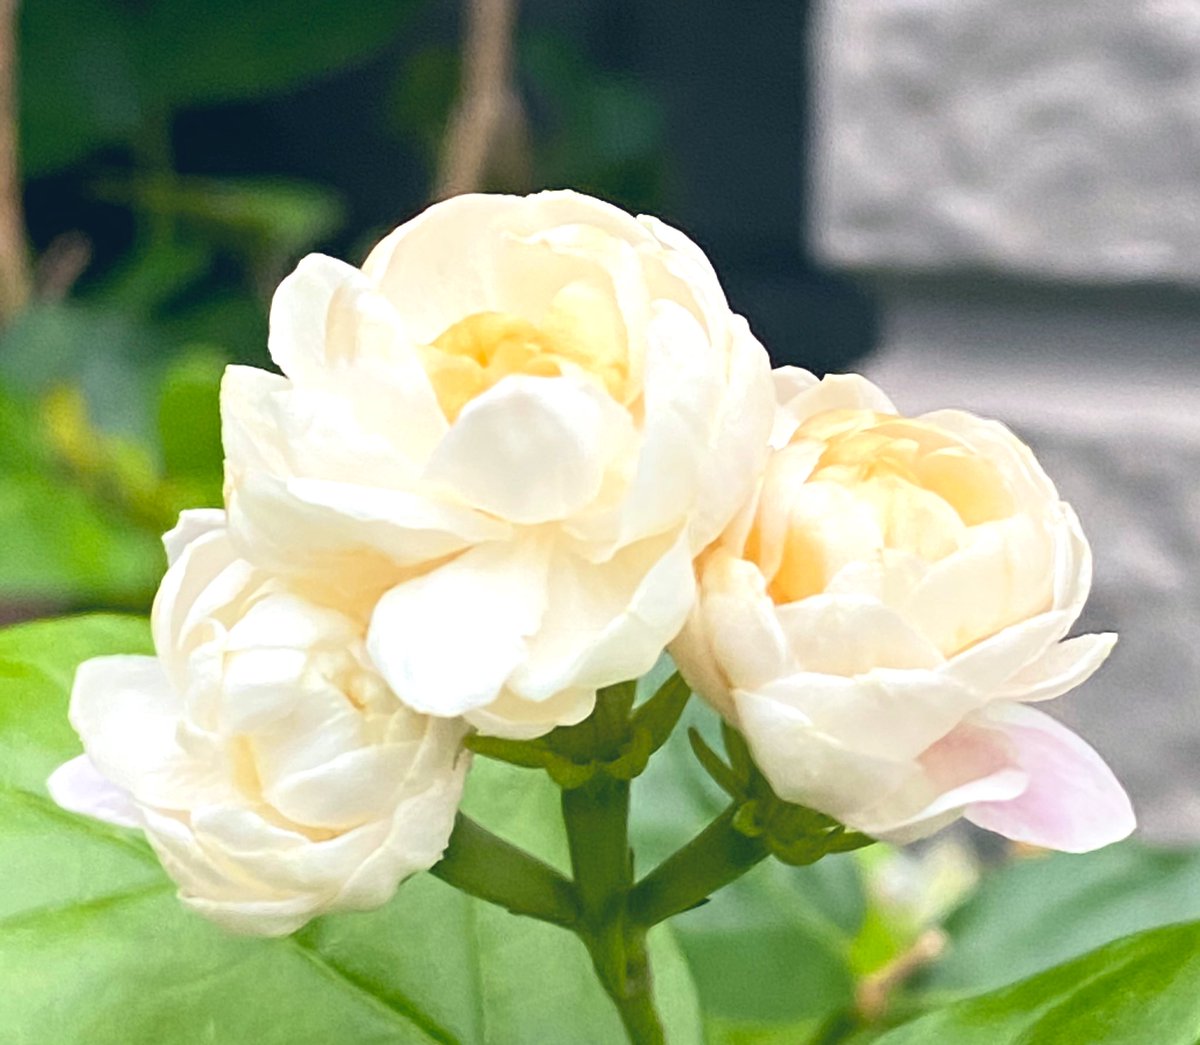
column 615, row 741
column 793, row 834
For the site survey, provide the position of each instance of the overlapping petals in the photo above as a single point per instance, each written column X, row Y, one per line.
column 878, row 617
column 273, row 771
column 503, row 440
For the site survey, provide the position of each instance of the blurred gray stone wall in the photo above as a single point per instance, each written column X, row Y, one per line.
column 1020, row 180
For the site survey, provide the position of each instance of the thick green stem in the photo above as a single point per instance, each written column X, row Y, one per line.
column 596, row 816
column 624, row 969
column 597, row 821
column 720, row 854
column 479, row 863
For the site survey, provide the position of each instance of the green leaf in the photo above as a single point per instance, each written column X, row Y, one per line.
column 61, row 549
column 189, row 418
column 264, row 214
column 1143, row 988
column 78, row 86
column 774, row 947
column 95, row 949
column 217, row 50
column 1089, row 900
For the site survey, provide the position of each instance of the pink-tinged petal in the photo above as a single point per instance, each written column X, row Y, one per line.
column 79, row 787
column 1060, row 669
column 447, row 641
column 531, row 449
column 969, row 764
column 1072, row 801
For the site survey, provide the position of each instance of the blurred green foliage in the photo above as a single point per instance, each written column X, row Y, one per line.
column 155, row 266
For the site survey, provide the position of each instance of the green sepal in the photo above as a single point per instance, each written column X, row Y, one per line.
column 657, row 717
column 722, row 774
column 529, row 754
column 794, row 834
column 614, row 741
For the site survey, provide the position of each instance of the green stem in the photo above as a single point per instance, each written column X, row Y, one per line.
column 479, row 863
column 597, row 821
column 624, row 969
column 596, row 816
column 720, row 854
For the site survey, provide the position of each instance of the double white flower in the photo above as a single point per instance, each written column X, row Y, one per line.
column 272, row 770
column 884, row 611
column 481, row 489
column 509, row 434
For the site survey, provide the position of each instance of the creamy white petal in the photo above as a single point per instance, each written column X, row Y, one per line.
column 447, row 641
column 125, row 711
column 747, row 637
column 1002, row 576
column 518, row 718
column 194, row 523
column 1060, row 669
column 300, row 314
column 847, row 635
column 807, row 766
column 531, row 449
column 801, row 400
column 988, row 665
column 890, row 714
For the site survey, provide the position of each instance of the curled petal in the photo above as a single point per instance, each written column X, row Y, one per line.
column 1072, row 802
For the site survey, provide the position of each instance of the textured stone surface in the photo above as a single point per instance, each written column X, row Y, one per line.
column 1115, row 419
column 1054, row 138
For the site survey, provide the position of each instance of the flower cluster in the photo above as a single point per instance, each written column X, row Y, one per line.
column 510, row 460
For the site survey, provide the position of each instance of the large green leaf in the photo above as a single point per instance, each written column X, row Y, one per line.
column 1000, row 934
column 774, row 947
column 1138, row 990
column 94, row 948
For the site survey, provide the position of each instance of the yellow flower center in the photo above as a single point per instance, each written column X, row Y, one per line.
column 581, row 333
column 882, row 483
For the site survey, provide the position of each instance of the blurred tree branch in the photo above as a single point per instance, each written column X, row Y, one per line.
column 14, row 249
column 487, row 132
